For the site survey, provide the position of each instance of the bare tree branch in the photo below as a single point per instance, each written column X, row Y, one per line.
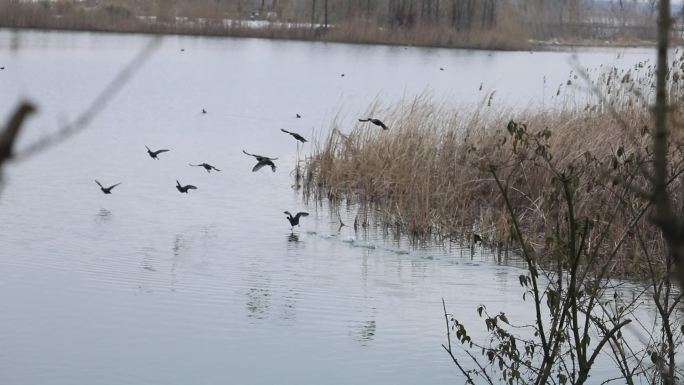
column 96, row 107
column 11, row 131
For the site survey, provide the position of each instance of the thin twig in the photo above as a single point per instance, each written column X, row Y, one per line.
column 96, row 107
column 448, row 349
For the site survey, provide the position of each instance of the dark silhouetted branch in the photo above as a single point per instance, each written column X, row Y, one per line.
column 9, row 134
column 96, row 107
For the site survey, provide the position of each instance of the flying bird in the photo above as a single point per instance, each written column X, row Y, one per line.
column 153, row 154
column 295, row 135
column 204, row 111
column 298, row 116
column 184, row 189
column 262, row 161
column 206, row 166
column 106, row 190
column 377, row 122
column 294, row 221
column 258, row 157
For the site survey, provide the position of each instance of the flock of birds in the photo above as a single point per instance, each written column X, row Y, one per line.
column 261, row 162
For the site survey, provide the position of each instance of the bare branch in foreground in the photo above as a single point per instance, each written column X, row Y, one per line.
column 96, row 107
column 9, row 134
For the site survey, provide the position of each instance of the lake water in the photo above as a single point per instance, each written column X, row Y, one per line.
column 149, row 286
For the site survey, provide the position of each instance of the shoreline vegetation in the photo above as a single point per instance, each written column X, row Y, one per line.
column 434, row 172
column 487, row 24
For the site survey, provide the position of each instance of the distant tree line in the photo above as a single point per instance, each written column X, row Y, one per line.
column 460, row 14
column 541, row 18
column 371, row 20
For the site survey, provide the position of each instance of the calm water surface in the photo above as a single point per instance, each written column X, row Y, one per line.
column 149, row 286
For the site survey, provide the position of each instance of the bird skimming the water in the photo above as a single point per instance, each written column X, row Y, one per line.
column 377, row 122
column 206, row 166
column 295, row 135
column 184, row 189
column 294, row 221
column 262, row 161
column 204, row 111
column 106, row 190
column 298, row 116
column 153, row 154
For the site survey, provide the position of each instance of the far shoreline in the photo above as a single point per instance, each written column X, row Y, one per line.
column 553, row 45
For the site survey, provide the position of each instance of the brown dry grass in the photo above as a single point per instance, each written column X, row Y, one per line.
column 430, row 172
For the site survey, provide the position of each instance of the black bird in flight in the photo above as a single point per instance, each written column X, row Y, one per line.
column 295, row 135
column 106, row 190
column 377, row 122
column 259, row 157
column 206, row 166
column 294, row 221
column 298, row 116
column 262, row 161
column 184, row 189
column 204, row 111
column 153, row 154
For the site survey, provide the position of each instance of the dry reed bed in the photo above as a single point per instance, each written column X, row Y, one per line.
column 431, row 172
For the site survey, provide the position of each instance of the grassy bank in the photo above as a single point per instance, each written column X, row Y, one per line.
column 500, row 30
column 433, row 171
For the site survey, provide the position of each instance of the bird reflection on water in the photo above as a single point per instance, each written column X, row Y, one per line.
column 103, row 216
column 178, row 250
column 367, row 331
column 289, row 306
column 293, row 238
column 258, row 302
column 147, row 264
column 178, row 245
